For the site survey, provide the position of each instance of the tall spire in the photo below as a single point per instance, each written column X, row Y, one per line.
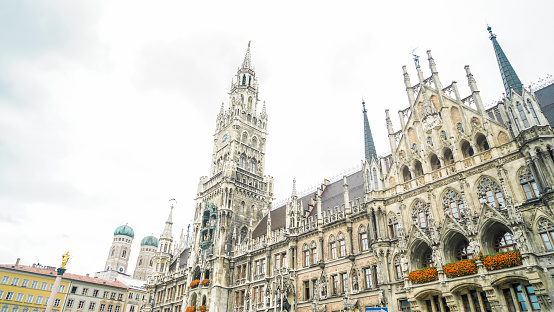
column 370, row 151
column 509, row 76
column 168, row 229
column 247, row 63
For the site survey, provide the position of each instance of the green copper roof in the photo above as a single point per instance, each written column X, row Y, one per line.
column 370, row 151
column 509, row 76
column 124, row 230
column 150, row 241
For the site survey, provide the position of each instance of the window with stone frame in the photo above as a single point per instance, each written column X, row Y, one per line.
column 443, row 135
column 305, row 255
column 368, row 278
column 533, row 113
column 522, row 114
column 546, row 231
column 313, row 249
column 420, row 214
column 332, row 247
column 504, row 241
column 427, row 259
column 364, row 243
column 527, row 182
column 335, row 281
column 463, row 251
column 489, row 192
column 453, row 204
column 342, row 245
column 393, row 227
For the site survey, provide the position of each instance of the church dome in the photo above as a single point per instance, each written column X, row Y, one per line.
column 150, row 241
column 124, row 230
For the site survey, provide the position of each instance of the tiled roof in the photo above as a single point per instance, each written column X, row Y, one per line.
column 70, row 276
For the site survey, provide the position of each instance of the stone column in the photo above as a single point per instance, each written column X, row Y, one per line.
column 54, row 291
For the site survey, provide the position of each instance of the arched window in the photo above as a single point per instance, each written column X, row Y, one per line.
column 243, row 80
column 364, row 243
column 522, row 114
column 124, row 253
column 242, row 161
column 448, row 156
column 513, row 117
column 375, row 181
column 504, row 241
column 443, row 135
column 113, row 250
column 453, row 204
column 528, row 184
column 249, row 80
column 368, row 177
column 532, row 110
column 427, row 259
column 242, row 234
column 306, row 255
column 140, row 262
column 242, row 207
column 467, row 150
column 254, row 142
column 393, row 227
column 151, row 263
column 418, row 169
column 420, row 214
column 435, row 162
column 249, row 103
column 342, row 245
column 460, row 127
column 463, row 251
column 406, row 174
column 314, row 252
column 482, row 143
column 332, row 247
column 244, row 138
column 489, row 192
column 252, row 165
column 546, row 231
column 429, row 141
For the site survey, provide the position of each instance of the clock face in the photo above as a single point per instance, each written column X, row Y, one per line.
column 224, row 138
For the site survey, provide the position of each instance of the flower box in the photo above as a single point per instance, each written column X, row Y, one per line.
column 202, row 308
column 460, row 268
column 424, row 275
column 194, row 283
column 205, row 282
column 191, row 309
column 501, row 260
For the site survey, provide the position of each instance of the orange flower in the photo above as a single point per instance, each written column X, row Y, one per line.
column 194, row 283
column 191, row 309
column 203, row 308
column 205, row 282
column 502, row 260
column 460, row 268
column 424, row 275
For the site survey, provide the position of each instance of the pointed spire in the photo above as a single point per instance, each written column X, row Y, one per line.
column 370, row 151
column 221, row 110
column 247, row 63
column 168, row 229
column 509, row 76
column 188, row 231
column 294, row 194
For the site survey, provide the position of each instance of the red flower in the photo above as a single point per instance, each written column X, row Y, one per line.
column 460, row 268
column 191, row 309
column 205, row 282
column 424, row 275
column 194, row 283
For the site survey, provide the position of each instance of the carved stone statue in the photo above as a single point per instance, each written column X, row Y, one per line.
column 475, row 248
column 354, row 280
column 521, row 240
column 404, row 264
column 323, row 289
column 437, row 257
column 382, row 299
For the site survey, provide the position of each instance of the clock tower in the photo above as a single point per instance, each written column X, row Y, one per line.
column 236, row 194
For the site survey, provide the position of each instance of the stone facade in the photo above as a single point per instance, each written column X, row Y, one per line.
column 416, row 230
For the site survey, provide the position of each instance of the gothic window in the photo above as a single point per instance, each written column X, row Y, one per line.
column 463, row 251
column 151, row 263
column 414, row 147
column 368, row 278
column 306, row 255
column 243, row 234
column 375, row 181
column 406, row 174
column 443, row 135
column 513, row 117
column 460, row 127
column 430, row 141
column 453, row 204
column 249, row 103
column 368, row 177
column 504, row 241
column 244, row 138
column 243, row 80
column 364, row 244
column 427, row 259
column 314, row 252
column 482, row 143
column 418, row 169
column 113, row 250
column 546, row 231
column 249, row 81
column 420, row 214
column 332, row 247
column 140, row 262
column 242, row 161
column 532, row 110
column 489, row 192
column 124, row 253
column 393, row 227
column 252, row 165
column 435, row 162
column 254, row 142
column 448, row 156
column 242, row 207
column 522, row 114
column 528, row 184
column 467, row 150
column 342, row 245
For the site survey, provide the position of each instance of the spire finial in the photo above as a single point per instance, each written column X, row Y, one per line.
column 294, row 188
column 247, row 63
column 509, row 76
column 370, row 151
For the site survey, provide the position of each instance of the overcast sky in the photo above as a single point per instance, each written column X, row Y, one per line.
column 107, row 108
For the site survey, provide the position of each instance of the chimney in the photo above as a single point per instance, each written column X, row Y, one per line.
column 17, row 262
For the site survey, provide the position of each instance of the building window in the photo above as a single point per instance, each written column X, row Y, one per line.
column 95, row 293
column 504, row 241
column 85, row 291
column 25, row 283
column 307, row 292
column 368, row 277
column 43, row 285
column 342, row 249
column 39, row 300
column 522, row 114
column 132, row 309
column 364, row 244
column 70, row 303
column 9, row 295
column 120, row 297
column 546, row 231
column 429, row 141
column 405, row 306
column 453, row 204
column 393, row 227
column 306, row 253
column 489, row 192
column 460, row 127
column 333, row 247
column 314, row 253
column 532, row 110
column 5, row 308
column 81, row 304
column 102, row 307
column 74, row 289
column 110, row 308
column 34, row 284
column 15, row 281
column 106, row 294
column 335, row 289
column 62, row 289
column 112, row 296
column 465, row 303
column 427, row 259
column 375, row 179
column 29, row 299
column 57, row 302
column 443, row 135
column 343, row 282
column 5, row 279
column 117, row 308
column 463, row 251
column 528, row 184
column 398, row 270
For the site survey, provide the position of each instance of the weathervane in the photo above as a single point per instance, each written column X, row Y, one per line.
column 416, row 57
